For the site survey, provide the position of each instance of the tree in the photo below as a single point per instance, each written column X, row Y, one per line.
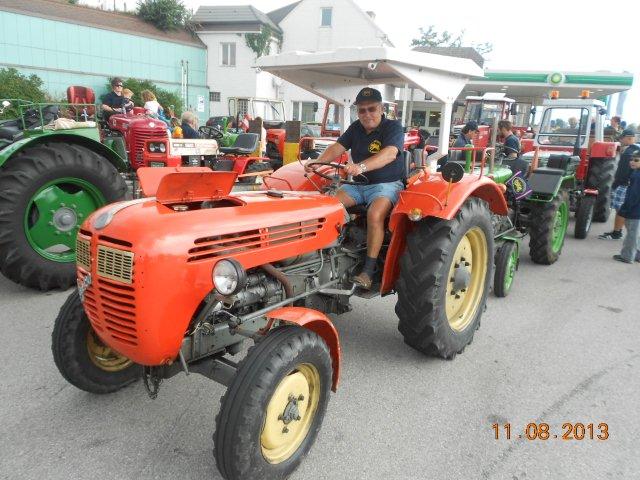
column 432, row 38
column 260, row 43
column 164, row 14
column 14, row 85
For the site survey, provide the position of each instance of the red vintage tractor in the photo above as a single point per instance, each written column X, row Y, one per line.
column 178, row 280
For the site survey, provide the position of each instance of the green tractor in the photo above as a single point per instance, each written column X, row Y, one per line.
column 56, row 167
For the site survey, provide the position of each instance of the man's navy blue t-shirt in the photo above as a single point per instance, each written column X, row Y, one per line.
column 114, row 100
column 512, row 145
column 388, row 134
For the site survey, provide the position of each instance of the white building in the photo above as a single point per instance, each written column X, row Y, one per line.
column 306, row 25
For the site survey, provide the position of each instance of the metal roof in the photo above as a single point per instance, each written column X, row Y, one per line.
column 232, row 14
column 278, row 15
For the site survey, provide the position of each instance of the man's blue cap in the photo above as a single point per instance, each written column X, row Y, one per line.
column 628, row 132
column 471, row 126
column 368, row 94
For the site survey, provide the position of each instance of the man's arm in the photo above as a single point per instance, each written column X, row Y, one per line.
column 380, row 159
column 329, row 155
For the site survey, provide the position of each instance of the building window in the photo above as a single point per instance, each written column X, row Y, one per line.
column 434, row 119
column 308, row 113
column 228, row 54
column 296, row 110
column 325, row 20
column 214, row 96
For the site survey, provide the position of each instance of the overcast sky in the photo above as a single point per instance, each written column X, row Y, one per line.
column 549, row 35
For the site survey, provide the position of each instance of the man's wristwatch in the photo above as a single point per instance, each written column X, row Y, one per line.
column 363, row 167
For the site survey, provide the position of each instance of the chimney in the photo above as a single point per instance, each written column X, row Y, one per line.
column 372, row 14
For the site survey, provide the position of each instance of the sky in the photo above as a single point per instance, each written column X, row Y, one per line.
column 550, row 35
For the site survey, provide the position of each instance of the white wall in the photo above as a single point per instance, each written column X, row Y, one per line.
column 238, row 81
column 302, row 31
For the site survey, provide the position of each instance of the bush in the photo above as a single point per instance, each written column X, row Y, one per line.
column 18, row 86
column 164, row 14
column 166, row 98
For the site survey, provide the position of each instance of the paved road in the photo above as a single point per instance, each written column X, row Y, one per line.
column 563, row 347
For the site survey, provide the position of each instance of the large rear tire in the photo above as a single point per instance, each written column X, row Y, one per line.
column 601, row 172
column 46, row 192
column 273, row 409
column 81, row 357
column 547, row 228
column 445, row 275
column 584, row 216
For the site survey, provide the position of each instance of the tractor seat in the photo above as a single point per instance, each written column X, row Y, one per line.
column 245, row 144
column 8, row 132
column 563, row 162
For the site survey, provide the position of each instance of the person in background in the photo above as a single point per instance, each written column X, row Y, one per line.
column 467, row 135
column 189, row 125
column 511, row 144
column 151, row 105
column 621, row 182
column 573, row 122
column 114, row 101
column 128, row 94
column 630, row 211
column 263, row 138
column 615, row 124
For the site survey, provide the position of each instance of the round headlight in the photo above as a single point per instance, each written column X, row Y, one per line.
column 163, row 148
column 229, row 277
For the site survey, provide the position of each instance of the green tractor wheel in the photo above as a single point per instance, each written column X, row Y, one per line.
column 46, row 192
column 507, row 259
column 548, row 227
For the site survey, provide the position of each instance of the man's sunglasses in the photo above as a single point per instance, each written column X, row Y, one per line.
column 118, row 85
column 371, row 109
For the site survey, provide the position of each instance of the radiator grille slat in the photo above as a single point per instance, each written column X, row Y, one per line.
column 83, row 253
column 115, row 264
column 225, row 245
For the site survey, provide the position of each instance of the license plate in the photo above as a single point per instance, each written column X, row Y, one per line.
column 156, row 164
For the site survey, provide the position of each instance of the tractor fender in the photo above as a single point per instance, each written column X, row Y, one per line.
column 318, row 323
column 118, row 162
column 603, row 150
column 429, row 196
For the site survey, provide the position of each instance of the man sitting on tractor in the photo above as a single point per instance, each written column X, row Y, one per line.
column 511, row 144
column 376, row 145
column 467, row 135
column 114, row 101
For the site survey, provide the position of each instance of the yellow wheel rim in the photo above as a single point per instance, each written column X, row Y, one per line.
column 290, row 413
column 465, row 285
column 103, row 357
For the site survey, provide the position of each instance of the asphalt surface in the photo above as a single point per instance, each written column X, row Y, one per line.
column 563, row 347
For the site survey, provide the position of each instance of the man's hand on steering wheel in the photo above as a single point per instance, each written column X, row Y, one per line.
column 314, row 167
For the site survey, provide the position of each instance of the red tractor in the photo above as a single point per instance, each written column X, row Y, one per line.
column 178, row 280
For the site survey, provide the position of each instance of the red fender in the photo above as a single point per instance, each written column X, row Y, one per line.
column 316, row 322
column 430, row 195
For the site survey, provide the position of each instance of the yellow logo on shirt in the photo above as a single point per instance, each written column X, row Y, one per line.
column 374, row 147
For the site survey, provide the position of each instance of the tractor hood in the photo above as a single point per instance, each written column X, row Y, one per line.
column 144, row 266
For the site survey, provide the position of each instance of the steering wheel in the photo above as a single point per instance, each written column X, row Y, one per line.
column 211, row 132
column 315, row 166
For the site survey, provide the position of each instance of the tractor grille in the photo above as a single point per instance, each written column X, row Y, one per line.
column 230, row 244
column 83, row 253
column 321, row 146
column 115, row 264
column 142, row 134
column 111, row 310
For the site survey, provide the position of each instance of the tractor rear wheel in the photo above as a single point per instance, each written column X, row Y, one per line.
column 445, row 275
column 507, row 259
column 601, row 172
column 254, row 167
column 46, row 192
column 81, row 357
column 547, row 228
column 273, row 409
column 584, row 215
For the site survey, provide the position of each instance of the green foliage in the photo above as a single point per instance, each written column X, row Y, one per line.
column 72, row 2
column 260, row 43
column 430, row 37
column 164, row 14
column 17, row 86
column 166, row 98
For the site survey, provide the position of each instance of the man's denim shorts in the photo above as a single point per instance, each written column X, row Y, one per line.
column 365, row 194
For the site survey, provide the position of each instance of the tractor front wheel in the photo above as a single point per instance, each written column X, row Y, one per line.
column 548, row 227
column 46, row 192
column 584, row 215
column 254, row 167
column 445, row 274
column 601, row 172
column 81, row 357
column 273, row 409
column 507, row 259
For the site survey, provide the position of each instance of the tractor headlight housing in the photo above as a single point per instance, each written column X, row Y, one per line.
column 229, row 276
column 157, row 147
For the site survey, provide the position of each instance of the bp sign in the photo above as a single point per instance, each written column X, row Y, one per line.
column 555, row 78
